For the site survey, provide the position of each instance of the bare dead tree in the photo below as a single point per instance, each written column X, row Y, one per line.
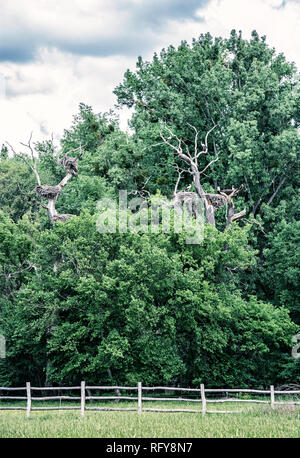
column 192, row 158
column 49, row 193
column 231, row 215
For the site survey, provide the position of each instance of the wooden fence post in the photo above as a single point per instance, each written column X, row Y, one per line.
column 203, row 399
column 272, row 396
column 139, row 397
column 82, row 406
column 28, row 390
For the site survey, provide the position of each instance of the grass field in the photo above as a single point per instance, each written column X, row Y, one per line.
column 256, row 421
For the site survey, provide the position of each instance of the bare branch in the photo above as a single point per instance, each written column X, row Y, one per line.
column 12, row 148
column 287, row 168
column 51, row 193
column 229, row 194
column 248, row 187
column 27, row 162
column 73, row 150
column 141, row 192
column 238, row 215
column 28, row 145
column 180, row 172
column 254, row 208
column 276, row 190
column 196, row 140
column 30, row 266
column 205, row 147
column 193, row 165
column 208, row 165
column 257, row 223
column 185, row 157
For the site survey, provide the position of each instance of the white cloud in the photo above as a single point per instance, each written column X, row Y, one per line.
column 42, row 96
column 44, row 93
column 86, row 28
column 275, row 3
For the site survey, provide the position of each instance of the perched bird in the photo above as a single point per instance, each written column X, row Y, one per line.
column 69, row 164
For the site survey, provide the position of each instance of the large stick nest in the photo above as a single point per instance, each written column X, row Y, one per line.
column 216, row 200
column 48, row 192
column 61, row 217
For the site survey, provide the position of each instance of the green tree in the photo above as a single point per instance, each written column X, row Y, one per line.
column 244, row 88
column 17, row 195
column 282, row 261
column 129, row 307
column 78, row 304
column 252, row 95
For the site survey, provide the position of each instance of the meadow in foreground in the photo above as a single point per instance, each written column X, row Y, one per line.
column 254, row 422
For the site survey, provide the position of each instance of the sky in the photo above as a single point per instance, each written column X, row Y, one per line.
column 55, row 54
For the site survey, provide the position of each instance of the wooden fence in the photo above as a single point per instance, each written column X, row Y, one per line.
column 83, row 388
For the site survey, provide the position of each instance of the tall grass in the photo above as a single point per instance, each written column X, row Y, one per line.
column 254, row 421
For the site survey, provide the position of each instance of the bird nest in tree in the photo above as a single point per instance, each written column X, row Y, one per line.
column 188, row 198
column 216, row 200
column 61, row 218
column 48, row 192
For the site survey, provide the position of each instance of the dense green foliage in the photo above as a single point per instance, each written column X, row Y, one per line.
column 77, row 304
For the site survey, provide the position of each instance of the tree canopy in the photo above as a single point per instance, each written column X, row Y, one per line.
column 216, row 119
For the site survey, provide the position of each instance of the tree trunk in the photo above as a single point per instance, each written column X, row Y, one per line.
column 118, row 393
column 209, row 209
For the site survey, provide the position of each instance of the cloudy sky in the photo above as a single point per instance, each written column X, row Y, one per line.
column 55, row 54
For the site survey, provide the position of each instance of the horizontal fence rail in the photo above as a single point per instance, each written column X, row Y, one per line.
column 198, row 393
column 59, row 388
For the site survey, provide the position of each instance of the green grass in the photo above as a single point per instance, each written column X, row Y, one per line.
column 255, row 421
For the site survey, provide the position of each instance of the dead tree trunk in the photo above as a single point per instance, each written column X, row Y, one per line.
column 50, row 193
column 209, row 209
column 191, row 159
column 231, row 215
column 211, row 202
